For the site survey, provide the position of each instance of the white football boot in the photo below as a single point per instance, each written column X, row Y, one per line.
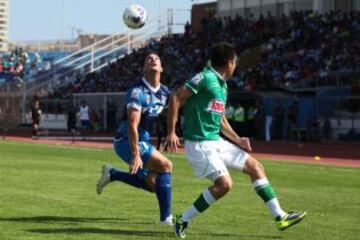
column 168, row 221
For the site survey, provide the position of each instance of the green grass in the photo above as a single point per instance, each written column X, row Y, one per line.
column 48, row 192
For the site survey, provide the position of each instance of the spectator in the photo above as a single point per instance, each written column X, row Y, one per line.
column 84, row 115
column 71, row 119
column 239, row 119
column 268, row 123
column 229, row 113
column 292, row 118
column 35, row 117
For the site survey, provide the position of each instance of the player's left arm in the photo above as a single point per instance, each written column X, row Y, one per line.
column 226, row 129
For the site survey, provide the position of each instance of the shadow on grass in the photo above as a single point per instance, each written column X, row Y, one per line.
column 58, row 219
column 143, row 233
column 242, row 236
column 100, row 231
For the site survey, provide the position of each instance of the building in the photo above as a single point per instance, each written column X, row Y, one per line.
column 278, row 7
column 200, row 12
column 4, row 25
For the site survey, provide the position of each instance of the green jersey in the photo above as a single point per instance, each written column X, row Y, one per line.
column 204, row 109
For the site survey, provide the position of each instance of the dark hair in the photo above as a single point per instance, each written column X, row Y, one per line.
column 221, row 54
column 36, row 98
column 147, row 53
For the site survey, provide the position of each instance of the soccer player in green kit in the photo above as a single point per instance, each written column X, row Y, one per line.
column 204, row 98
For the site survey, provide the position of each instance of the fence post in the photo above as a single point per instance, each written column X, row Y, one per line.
column 92, row 58
column 23, row 100
column 105, row 112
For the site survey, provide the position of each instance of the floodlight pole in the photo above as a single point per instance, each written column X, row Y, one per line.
column 170, row 20
column 62, row 24
column 159, row 20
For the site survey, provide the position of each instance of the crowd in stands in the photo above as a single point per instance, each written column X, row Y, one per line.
column 19, row 63
column 182, row 55
column 320, row 49
column 305, row 49
column 13, row 63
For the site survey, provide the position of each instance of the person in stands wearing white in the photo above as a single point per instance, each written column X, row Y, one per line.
column 84, row 115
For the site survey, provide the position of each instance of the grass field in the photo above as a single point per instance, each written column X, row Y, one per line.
column 48, row 192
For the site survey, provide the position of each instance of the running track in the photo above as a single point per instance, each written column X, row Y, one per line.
column 334, row 154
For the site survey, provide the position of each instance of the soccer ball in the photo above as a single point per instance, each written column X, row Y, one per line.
column 135, row 16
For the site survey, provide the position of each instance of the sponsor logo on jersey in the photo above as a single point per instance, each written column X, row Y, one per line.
column 163, row 99
column 135, row 93
column 216, row 106
column 196, row 79
column 148, row 99
column 155, row 110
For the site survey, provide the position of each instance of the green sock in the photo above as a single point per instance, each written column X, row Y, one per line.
column 267, row 193
column 203, row 202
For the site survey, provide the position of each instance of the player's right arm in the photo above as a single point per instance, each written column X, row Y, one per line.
column 133, row 123
column 226, row 129
column 134, row 106
column 177, row 100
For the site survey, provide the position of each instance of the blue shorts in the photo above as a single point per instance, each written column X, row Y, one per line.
column 122, row 149
column 85, row 124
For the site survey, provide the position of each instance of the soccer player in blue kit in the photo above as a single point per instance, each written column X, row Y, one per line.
column 148, row 168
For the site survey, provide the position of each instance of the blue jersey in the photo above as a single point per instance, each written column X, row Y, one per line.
column 150, row 103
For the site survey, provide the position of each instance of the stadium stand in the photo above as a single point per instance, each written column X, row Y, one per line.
column 320, row 50
column 285, row 59
column 302, row 50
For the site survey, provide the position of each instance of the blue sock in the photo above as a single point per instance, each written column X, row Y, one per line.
column 163, row 193
column 133, row 180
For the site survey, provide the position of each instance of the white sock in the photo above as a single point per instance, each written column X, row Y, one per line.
column 260, row 182
column 274, row 207
column 189, row 214
column 208, row 197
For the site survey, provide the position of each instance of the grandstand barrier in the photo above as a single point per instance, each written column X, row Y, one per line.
column 107, row 107
column 340, row 114
column 50, row 121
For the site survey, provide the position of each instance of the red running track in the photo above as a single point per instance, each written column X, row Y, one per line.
column 333, row 153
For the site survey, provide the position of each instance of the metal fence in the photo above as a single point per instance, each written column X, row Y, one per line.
column 11, row 103
column 317, row 118
column 327, row 117
column 106, row 108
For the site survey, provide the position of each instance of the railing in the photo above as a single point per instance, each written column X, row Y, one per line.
column 92, row 58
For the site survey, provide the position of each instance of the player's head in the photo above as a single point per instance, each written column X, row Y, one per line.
column 36, row 100
column 223, row 56
column 152, row 63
